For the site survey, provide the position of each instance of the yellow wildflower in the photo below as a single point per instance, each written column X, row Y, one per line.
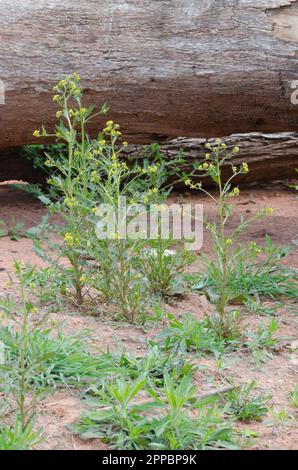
column 268, row 211
column 235, row 192
column 244, row 168
column 68, row 238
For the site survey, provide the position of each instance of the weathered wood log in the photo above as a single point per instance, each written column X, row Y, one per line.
column 270, row 156
column 166, row 68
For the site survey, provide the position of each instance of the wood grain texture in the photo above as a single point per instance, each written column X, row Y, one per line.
column 270, row 156
column 166, row 68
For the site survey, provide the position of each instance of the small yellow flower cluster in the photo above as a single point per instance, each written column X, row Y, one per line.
column 95, row 177
column 216, row 149
column 57, row 99
column 70, row 239
column 151, row 191
column 117, row 166
column 116, row 236
column 112, row 129
column 229, row 241
column 206, row 166
column 152, row 169
column 69, row 83
column 70, row 201
column 67, row 87
column 37, row 133
column 192, row 185
column 100, row 145
column 235, row 192
column 268, row 210
column 244, row 168
column 254, row 247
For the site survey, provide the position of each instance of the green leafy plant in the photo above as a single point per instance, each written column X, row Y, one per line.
column 164, row 267
column 89, row 173
column 263, row 337
column 164, row 422
column 279, row 418
column 38, row 356
column 191, row 335
column 45, row 282
column 255, row 273
column 293, row 395
column 262, row 342
column 16, row 437
column 154, row 364
column 17, row 376
column 15, row 231
column 226, row 243
column 53, row 359
column 177, row 429
column 120, row 422
column 244, row 406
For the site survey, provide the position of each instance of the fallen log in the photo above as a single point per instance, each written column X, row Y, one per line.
column 269, row 156
column 166, row 68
